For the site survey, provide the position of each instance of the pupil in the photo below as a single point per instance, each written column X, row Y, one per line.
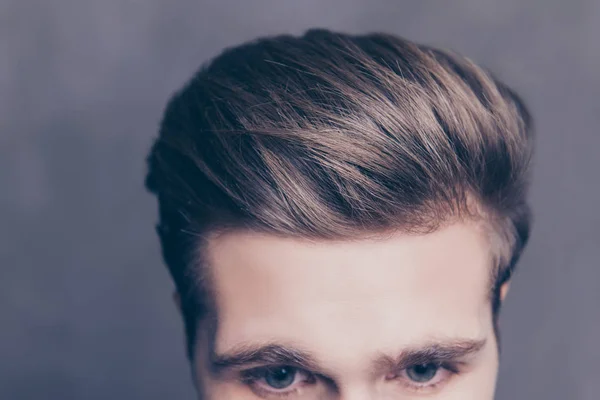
column 280, row 377
column 422, row 372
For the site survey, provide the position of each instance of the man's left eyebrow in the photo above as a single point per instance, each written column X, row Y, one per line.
column 433, row 352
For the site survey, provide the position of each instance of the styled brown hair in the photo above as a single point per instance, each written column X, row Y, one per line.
column 331, row 136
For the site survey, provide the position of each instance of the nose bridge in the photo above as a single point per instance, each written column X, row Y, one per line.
column 362, row 391
column 354, row 377
column 356, row 395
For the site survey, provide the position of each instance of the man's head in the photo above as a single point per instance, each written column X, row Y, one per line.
column 341, row 216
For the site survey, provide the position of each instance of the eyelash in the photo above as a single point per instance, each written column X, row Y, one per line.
column 253, row 376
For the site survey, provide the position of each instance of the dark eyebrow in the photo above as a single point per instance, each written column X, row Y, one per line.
column 433, row 352
column 248, row 356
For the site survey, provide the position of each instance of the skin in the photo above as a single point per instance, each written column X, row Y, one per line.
column 350, row 320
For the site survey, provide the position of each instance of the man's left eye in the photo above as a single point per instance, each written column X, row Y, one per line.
column 427, row 376
column 422, row 373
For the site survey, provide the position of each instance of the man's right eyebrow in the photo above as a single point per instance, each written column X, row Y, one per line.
column 273, row 354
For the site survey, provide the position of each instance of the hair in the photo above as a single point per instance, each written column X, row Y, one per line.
column 331, row 136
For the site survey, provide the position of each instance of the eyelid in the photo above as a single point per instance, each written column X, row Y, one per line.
column 257, row 370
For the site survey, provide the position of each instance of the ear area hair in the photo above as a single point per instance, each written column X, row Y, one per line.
column 177, row 301
column 504, row 290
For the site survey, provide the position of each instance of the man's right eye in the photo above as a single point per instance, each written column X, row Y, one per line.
column 277, row 381
column 280, row 377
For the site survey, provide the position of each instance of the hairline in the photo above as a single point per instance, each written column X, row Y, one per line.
column 491, row 230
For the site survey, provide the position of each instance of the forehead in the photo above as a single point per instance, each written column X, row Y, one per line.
column 367, row 295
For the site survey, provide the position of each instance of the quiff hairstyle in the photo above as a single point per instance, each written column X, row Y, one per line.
column 331, row 136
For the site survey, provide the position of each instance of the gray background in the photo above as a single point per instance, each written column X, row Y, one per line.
column 85, row 308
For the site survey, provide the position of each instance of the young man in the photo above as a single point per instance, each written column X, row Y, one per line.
column 341, row 216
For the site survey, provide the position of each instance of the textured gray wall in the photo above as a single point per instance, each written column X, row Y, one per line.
column 85, row 309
